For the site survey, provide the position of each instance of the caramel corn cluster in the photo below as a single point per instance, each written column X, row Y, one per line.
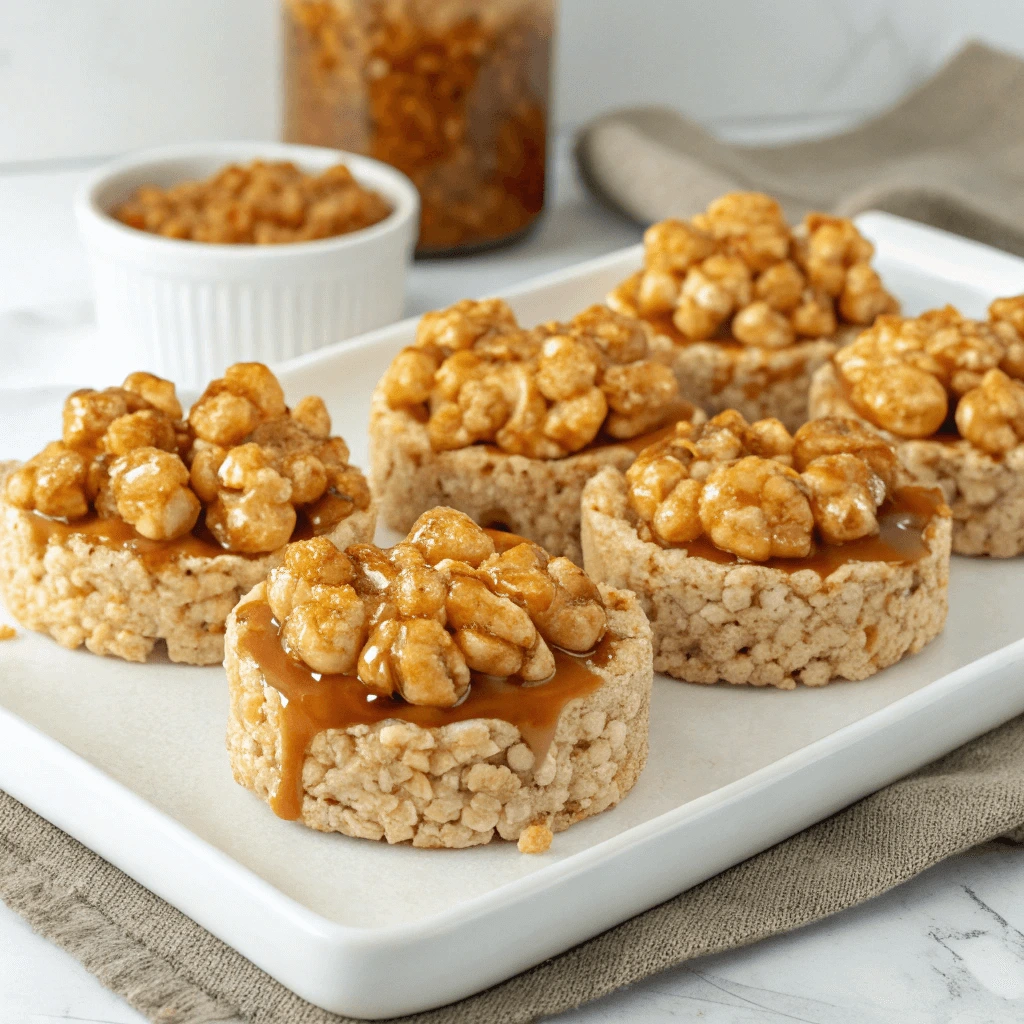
column 545, row 392
column 241, row 460
column 907, row 375
column 415, row 620
column 738, row 271
column 260, row 203
column 757, row 491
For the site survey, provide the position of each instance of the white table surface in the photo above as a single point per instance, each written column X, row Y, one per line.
column 948, row 946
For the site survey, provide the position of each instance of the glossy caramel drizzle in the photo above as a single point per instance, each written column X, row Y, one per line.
column 639, row 443
column 504, row 540
column 155, row 554
column 313, row 702
column 116, row 533
column 900, row 539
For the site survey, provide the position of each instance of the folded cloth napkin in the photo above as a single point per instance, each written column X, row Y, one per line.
column 946, row 155
column 950, row 154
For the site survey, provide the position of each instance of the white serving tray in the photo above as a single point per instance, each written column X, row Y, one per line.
column 130, row 759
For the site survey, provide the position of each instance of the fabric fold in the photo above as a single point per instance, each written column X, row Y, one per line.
column 950, row 154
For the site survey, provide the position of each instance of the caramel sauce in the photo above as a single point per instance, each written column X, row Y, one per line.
column 640, row 442
column 313, row 702
column 321, row 518
column 504, row 540
column 200, row 543
column 116, row 533
column 900, row 539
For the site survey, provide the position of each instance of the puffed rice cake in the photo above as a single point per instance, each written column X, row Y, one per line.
column 113, row 599
column 461, row 784
column 535, row 498
column 745, row 623
column 985, row 492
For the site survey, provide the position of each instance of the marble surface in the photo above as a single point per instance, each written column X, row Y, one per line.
column 948, row 946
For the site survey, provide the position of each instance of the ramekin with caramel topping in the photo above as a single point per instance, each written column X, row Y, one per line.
column 188, row 272
column 259, row 203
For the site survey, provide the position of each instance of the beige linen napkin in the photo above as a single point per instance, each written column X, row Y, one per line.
column 950, row 154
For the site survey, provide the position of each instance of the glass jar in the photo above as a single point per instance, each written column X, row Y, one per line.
column 452, row 92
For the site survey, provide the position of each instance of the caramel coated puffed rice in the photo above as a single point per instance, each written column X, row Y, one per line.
column 262, row 203
column 544, row 393
column 241, row 457
column 414, row 621
column 739, row 272
column 753, row 306
column 948, row 392
column 734, row 538
column 163, row 521
column 907, row 375
column 507, row 423
column 758, row 492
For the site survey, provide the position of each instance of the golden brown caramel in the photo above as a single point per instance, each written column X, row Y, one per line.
column 663, row 324
column 947, row 434
column 116, row 533
column 321, row 519
column 504, row 540
column 313, row 703
column 455, row 96
column 641, row 441
column 902, row 522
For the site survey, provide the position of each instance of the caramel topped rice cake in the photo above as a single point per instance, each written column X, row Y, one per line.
column 773, row 559
column 752, row 306
column 458, row 687
column 143, row 525
column 948, row 392
column 507, row 423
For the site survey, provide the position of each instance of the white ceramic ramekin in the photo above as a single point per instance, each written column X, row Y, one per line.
column 186, row 310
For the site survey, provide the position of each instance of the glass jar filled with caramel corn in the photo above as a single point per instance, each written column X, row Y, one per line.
column 452, row 92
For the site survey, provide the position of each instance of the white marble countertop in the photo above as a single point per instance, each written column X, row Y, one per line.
column 948, row 946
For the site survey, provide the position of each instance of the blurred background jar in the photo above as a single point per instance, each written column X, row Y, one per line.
column 455, row 93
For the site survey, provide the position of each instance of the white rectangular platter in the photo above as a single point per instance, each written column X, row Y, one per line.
column 130, row 759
